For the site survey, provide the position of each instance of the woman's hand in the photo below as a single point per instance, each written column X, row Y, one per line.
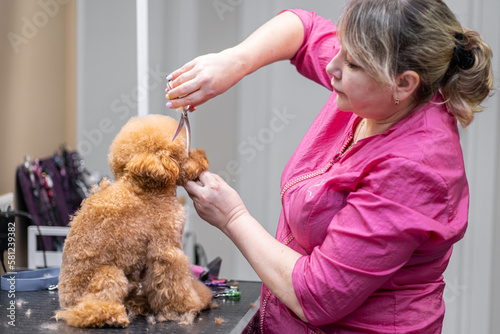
column 210, row 75
column 215, row 201
column 204, row 78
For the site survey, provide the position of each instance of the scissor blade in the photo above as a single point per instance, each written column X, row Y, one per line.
column 188, row 133
column 179, row 127
column 184, row 121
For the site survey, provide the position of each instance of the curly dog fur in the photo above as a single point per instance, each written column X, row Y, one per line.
column 123, row 255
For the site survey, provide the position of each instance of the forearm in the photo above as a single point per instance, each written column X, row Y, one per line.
column 278, row 39
column 271, row 260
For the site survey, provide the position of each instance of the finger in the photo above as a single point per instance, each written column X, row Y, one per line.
column 194, row 99
column 206, row 178
column 182, row 87
column 187, row 67
column 219, row 179
column 183, row 78
column 192, row 188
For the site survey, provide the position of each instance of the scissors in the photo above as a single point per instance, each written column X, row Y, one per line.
column 183, row 121
column 233, row 294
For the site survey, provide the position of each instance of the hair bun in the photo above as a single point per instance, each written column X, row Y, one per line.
column 462, row 58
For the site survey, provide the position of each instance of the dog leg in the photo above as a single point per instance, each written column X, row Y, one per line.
column 169, row 286
column 203, row 292
column 72, row 285
column 102, row 303
column 136, row 301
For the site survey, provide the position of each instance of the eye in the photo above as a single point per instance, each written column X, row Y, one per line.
column 349, row 64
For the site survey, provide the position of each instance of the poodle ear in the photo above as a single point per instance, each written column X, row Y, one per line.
column 196, row 163
column 152, row 169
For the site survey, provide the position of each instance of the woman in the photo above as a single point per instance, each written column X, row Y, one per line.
column 375, row 195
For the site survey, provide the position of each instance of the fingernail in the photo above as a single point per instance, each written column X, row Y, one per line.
column 169, row 77
column 167, row 97
column 169, row 104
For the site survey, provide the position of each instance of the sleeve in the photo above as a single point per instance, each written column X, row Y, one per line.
column 318, row 49
column 399, row 206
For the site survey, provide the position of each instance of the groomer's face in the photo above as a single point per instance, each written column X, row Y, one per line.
column 357, row 91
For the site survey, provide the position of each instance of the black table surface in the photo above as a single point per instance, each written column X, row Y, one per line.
column 34, row 313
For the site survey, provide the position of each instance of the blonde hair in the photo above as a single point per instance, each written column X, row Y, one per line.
column 389, row 37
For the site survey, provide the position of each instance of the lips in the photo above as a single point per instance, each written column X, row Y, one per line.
column 333, row 86
column 337, row 91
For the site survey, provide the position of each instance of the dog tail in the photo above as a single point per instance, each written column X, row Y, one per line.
column 94, row 313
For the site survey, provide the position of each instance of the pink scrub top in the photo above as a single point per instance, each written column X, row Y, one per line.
column 376, row 225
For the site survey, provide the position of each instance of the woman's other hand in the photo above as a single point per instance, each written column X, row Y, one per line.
column 215, row 201
column 220, row 205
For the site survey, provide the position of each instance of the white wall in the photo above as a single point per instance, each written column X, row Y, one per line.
column 235, row 128
column 471, row 294
column 107, row 92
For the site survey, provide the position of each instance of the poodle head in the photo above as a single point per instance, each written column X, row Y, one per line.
column 144, row 151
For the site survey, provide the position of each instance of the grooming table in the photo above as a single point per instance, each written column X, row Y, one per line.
column 34, row 313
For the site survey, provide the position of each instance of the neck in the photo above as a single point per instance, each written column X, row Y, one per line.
column 143, row 186
column 371, row 127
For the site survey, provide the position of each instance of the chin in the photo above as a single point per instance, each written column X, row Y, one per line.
column 342, row 104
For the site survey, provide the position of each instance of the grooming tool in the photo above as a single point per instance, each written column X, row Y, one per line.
column 230, row 294
column 183, row 121
column 216, row 284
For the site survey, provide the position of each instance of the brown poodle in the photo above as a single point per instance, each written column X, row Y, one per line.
column 123, row 255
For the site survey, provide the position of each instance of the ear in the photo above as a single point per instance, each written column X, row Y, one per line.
column 407, row 84
column 153, row 169
column 195, row 164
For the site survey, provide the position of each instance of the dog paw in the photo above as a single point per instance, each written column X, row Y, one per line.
column 185, row 319
column 95, row 314
column 118, row 320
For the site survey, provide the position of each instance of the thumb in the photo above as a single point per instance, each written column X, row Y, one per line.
column 192, row 188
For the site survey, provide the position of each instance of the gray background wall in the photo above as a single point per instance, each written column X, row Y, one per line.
column 236, row 128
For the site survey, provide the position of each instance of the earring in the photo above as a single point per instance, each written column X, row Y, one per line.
column 397, row 101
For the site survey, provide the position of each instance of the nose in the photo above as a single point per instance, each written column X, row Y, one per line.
column 334, row 67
